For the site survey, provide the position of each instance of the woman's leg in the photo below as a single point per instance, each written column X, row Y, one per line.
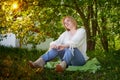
column 69, row 59
column 49, row 55
column 40, row 62
column 78, row 58
column 65, row 56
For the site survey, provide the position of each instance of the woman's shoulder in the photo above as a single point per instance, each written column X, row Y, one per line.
column 81, row 29
column 64, row 33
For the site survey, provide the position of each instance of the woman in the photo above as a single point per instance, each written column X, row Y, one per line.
column 70, row 47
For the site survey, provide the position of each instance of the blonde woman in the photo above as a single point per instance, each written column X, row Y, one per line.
column 70, row 47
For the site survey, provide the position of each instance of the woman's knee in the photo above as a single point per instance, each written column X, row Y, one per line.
column 67, row 50
column 53, row 51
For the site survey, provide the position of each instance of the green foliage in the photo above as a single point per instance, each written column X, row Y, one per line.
column 35, row 20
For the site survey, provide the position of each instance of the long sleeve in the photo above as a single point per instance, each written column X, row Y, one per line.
column 59, row 40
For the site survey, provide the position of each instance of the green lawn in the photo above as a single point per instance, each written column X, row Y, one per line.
column 13, row 66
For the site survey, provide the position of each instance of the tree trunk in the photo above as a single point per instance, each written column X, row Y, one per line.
column 103, row 34
column 104, row 39
column 86, row 23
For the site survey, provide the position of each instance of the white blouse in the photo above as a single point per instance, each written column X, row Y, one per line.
column 77, row 41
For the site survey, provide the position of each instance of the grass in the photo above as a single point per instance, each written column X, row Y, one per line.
column 13, row 66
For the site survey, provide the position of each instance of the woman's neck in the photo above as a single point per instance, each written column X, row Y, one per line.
column 72, row 32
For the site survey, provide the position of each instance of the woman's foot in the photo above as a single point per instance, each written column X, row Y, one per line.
column 39, row 63
column 61, row 67
column 31, row 64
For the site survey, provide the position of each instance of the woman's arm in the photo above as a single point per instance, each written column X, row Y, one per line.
column 62, row 46
column 56, row 43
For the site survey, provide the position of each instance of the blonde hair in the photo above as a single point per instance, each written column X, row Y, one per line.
column 72, row 19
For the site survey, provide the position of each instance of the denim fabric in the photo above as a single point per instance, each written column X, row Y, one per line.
column 65, row 55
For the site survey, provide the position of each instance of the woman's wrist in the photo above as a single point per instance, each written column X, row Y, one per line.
column 66, row 46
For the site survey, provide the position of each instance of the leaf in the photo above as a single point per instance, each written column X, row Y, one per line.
column 92, row 66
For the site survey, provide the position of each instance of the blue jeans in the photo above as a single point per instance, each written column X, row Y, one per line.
column 65, row 55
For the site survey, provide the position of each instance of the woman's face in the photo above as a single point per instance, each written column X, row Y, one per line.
column 68, row 23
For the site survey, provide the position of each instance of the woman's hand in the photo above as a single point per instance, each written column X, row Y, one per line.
column 61, row 47
column 53, row 46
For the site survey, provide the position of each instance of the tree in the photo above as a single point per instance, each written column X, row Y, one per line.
column 42, row 17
